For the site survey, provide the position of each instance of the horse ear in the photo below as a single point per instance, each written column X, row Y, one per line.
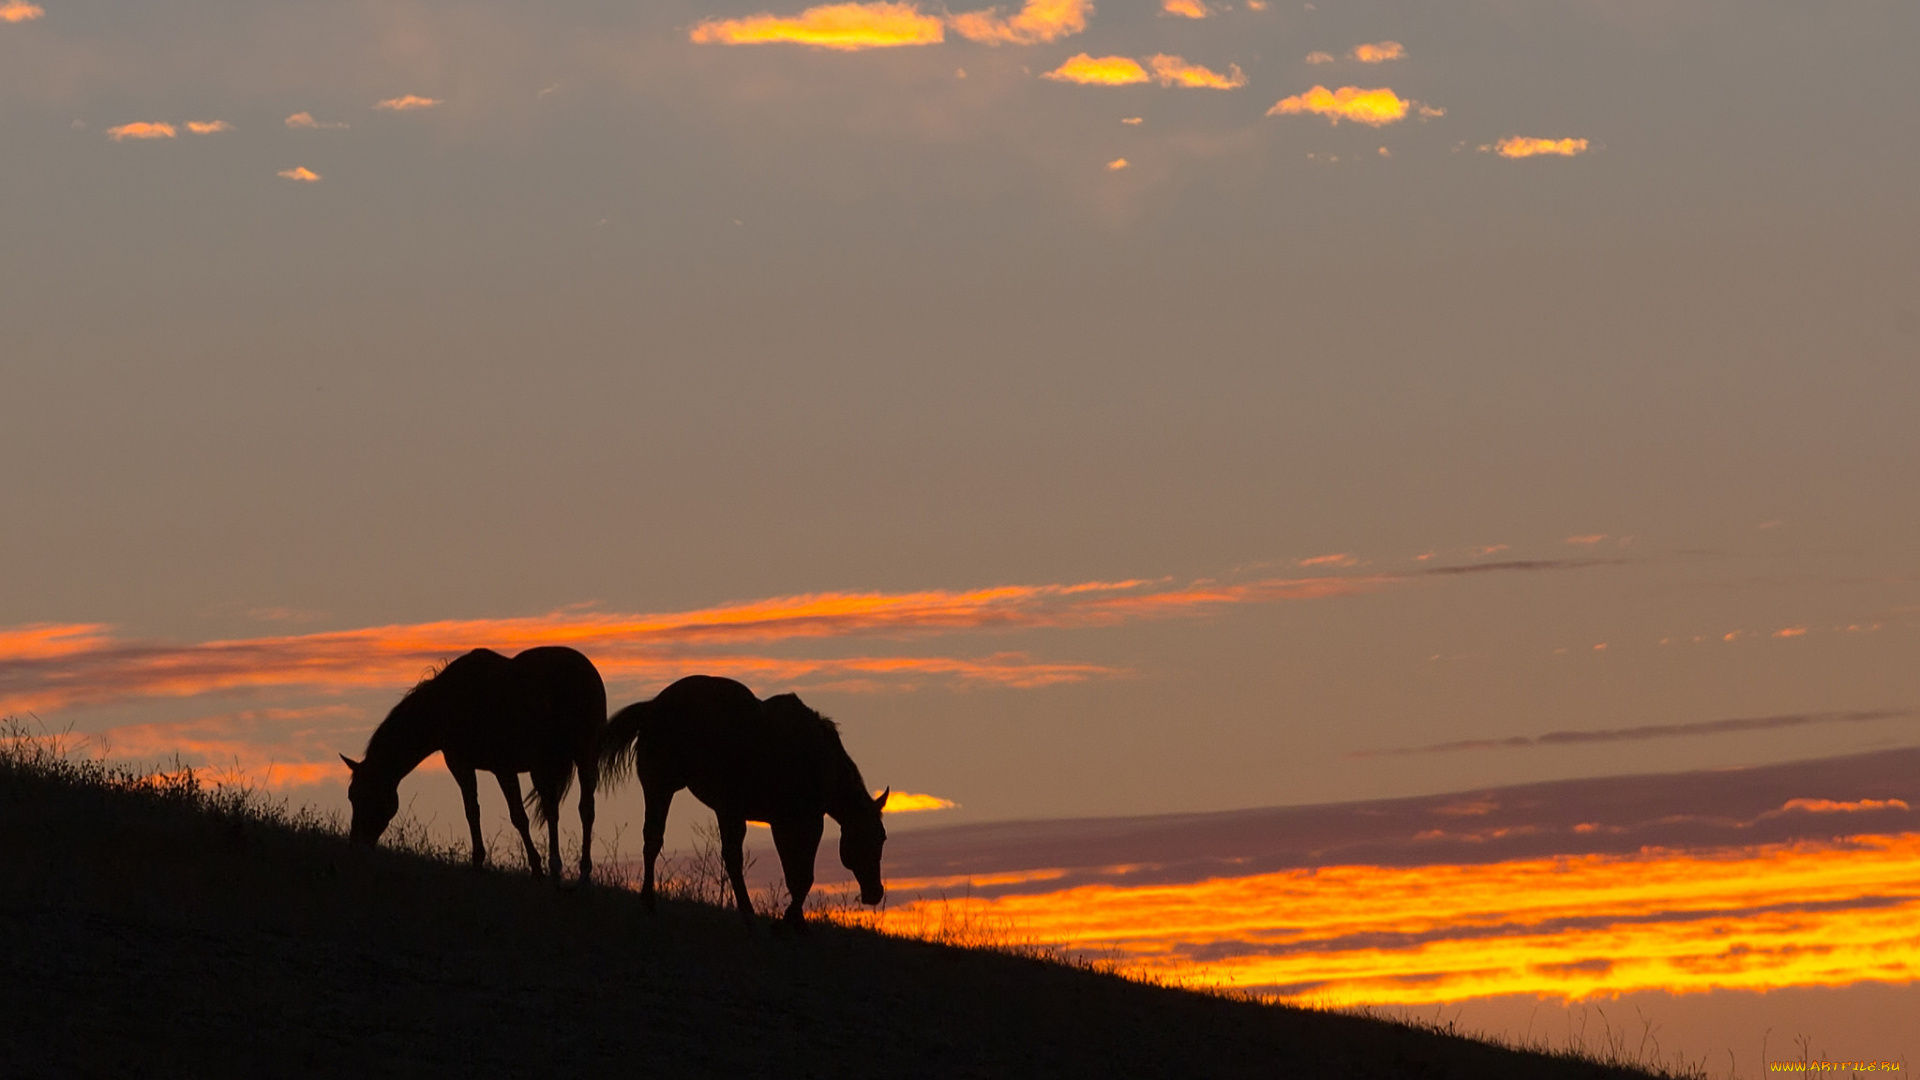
column 880, row 801
column 351, row 764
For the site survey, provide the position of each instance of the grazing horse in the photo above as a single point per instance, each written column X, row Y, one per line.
column 775, row 761
column 540, row 712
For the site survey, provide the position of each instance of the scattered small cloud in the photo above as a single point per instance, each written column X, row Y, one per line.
column 141, row 129
column 408, row 103
column 1493, row 549
column 1375, row 108
column 305, row 120
column 1256, row 5
column 1338, row 559
column 300, row 173
column 1098, row 71
column 1824, row 806
column 1174, row 71
column 19, row 11
column 1131, row 120
column 843, row 27
column 1117, row 164
column 1190, row 9
column 1589, row 539
column 1647, row 731
column 1318, row 57
column 1379, row 52
column 1523, row 146
column 544, row 91
column 1384, row 152
column 907, row 802
column 1791, row 631
column 208, row 127
column 1039, row 22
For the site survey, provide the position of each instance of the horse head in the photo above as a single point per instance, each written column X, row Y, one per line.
column 375, row 801
column 861, row 838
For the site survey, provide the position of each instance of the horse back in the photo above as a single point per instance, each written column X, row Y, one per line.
column 713, row 736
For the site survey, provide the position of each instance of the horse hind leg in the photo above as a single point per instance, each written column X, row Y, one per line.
column 517, row 810
column 659, row 799
column 546, row 787
column 589, row 773
column 470, row 800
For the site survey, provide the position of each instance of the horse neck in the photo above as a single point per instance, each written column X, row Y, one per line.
column 409, row 734
column 847, row 795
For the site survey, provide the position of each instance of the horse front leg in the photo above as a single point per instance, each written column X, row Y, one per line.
column 547, row 787
column 463, row 775
column 517, row 810
column 798, row 843
column 589, row 773
column 733, row 838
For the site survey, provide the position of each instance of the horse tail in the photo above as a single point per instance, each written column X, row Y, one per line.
column 620, row 742
column 537, row 806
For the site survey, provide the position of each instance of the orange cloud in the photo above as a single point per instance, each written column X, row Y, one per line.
column 1372, row 107
column 1791, row 631
column 208, row 127
column 306, row 120
column 1174, row 71
column 273, row 748
column 141, row 129
column 1131, row 121
column 408, row 102
column 1191, row 9
column 1379, row 52
column 843, row 27
column 1039, row 22
column 1754, row 918
column 1521, row 146
column 300, row 173
column 1336, row 559
column 1117, row 164
column 906, row 802
column 19, row 11
column 1098, row 71
column 1319, row 58
column 1828, row 806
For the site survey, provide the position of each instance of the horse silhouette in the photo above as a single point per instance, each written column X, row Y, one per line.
column 774, row 761
column 540, row 713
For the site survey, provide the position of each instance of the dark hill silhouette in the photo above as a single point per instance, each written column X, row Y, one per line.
column 158, row 929
column 540, row 713
column 774, row 761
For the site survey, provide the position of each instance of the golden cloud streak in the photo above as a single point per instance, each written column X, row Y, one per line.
column 1756, row 918
column 843, row 27
column 1191, row 9
column 1174, row 71
column 1372, row 107
column 208, row 127
column 906, row 802
column 1099, row 71
column 1522, row 146
column 1379, row 52
column 300, row 173
column 306, row 120
column 19, row 11
column 141, row 129
column 408, row 103
column 1039, row 22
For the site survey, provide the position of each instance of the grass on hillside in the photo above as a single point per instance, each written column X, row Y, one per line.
column 159, row 925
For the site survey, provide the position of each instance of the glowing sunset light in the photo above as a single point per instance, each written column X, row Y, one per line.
column 19, row 11
column 842, row 27
column 1037, row 23
column 1757, row 918
column 907, row 802
column 1101, row 71
column 1174, row 71
column 1372, row 107
column 1188, row 9
column 141, row 129
column 1520, row 146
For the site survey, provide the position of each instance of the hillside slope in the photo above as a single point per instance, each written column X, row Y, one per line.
column 163, row 932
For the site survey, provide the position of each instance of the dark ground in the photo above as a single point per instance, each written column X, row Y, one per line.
column 147, row 934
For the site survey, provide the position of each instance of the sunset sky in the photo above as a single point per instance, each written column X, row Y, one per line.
column 1115, row 409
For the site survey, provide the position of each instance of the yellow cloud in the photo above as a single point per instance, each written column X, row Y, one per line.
column 1374, row 107
column 306, row 120
column 1173, row 71
column 300, row 173
column 1522, row 146
column 208, row 127
column 1117, row 164
column 1379, row 52
column 408, row 102
column 906, row 802
column 141, row 129
column 1099, row 71
column 1192, row 9
column 1037, row 23
column 1317, row 57
column 846, row 27
column 19, row 11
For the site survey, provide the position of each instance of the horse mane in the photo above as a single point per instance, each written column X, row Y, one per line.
column 850, row 780
column 791, row 703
